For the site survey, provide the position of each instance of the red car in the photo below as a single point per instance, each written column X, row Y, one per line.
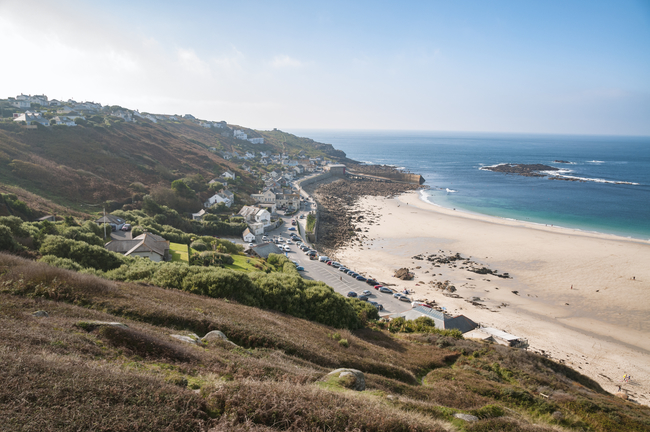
column 378, row 286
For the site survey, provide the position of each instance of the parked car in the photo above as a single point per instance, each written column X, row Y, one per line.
column 377, row 287
column 126, row 227
column 360, row 278
column 336, row 264
column 343, row 269
column 300, row 268
column 291, row 228
column 371, row 282
column 385, row 290
column 352, row 294
column 366, row 293
column 397, row 295
column 323, row 258
column 405, row 299
column 363, row 298
column 250, row 245
column 289, row 242
column 377, row 305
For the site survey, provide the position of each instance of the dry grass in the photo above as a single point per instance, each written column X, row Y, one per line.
column 143, row 379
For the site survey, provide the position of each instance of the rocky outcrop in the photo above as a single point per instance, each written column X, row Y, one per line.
column 216, row 335
column 404, row 274
column 526, row 170
column 349, row 378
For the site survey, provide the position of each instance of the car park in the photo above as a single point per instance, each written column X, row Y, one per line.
column 352, row 294
column 397, row 295
column 335, row 264
column 385, row 290
column 377, row 305
column 343, row 269
column 360, row 278
column 363, row 298
column 366, row 293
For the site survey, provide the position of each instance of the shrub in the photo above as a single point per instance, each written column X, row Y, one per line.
column 81, row 252
column 64, row 263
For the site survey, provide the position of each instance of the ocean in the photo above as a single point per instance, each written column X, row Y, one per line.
column 612, row 195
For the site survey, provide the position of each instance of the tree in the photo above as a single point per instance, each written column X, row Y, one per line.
column 182, row 189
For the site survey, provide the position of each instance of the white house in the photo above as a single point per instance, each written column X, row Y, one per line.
column 22, row 104
column 64, row 121
column 256, row 228
column 239, row 134
column 248, row 236
column 228, row 175
column 218, row 199
column 30, row 117
column 256, row 140
column 198, row 216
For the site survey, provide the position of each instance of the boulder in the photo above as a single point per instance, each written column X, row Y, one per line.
column 466, row 417
column 404, row 274
column 192, row 338
column 40, row 314
column 216, row 335
column 350, row 378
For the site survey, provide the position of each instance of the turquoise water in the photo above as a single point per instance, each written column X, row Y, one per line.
column 612, row 196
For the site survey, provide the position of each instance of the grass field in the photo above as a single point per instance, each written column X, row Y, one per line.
column 179, row 252
column 244, row 263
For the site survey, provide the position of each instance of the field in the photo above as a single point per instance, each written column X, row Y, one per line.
column 180, row 252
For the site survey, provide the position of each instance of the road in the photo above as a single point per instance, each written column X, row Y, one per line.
column 339, row 281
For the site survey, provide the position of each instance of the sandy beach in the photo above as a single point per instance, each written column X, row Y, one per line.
column 582, row 298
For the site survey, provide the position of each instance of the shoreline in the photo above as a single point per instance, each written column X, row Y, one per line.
column 571, row 292
column 645, row 237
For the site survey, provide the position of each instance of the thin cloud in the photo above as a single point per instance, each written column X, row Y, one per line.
column 284, row 61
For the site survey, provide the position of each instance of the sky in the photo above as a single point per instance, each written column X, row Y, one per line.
column 561, row 67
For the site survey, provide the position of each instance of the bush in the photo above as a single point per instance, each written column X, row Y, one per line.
column 82, row 253
column 65, row 263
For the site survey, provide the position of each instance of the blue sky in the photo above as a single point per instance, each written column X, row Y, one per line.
column 497, row 66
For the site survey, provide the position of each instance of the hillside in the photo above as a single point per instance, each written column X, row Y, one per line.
column 60, row 370
column 100, row 158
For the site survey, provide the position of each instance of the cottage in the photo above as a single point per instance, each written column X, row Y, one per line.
column 198, row 216
column 228, row 175
column 239, row 134
column 441, row 319
column 248, row 236
column 218, row 199
column 263, row 251
column 146, row 245
column 256, row 140
column 111, row 220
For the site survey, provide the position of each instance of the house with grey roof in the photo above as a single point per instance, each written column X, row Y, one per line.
column 264, row 250
column 146, row 245
column 111, row 220
column 442, row 320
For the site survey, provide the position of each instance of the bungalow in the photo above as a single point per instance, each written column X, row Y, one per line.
column 198, row 216
column 31, row 117
column 218, row 199
column 111, row 220
column 146, row 245
column 264, row 250
column 64, row 121
column 256, row 140
column 228, row 175
column 441, row 319
column 55, row 102
column 248, row 236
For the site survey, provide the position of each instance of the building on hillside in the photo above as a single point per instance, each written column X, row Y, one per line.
column 32, row 118
column 146, row 245
column 198, row 216
column 22, row 104
column 239, row 134
column 111, row 220
column 441, row 319
column 256, row 140
column 264, row 250
column 64, row 121
column 49, row 218
column 217, row 199
column 266, row 196
column 256, row 228
column 254, row 214
column 228, row 175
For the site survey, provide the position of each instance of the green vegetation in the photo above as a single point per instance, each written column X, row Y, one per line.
column 311, row 222
column 180, row 252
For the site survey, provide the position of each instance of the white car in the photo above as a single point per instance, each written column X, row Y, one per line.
column 250, row 245
column 323, row 258
column 289, row 242
column 287, row 248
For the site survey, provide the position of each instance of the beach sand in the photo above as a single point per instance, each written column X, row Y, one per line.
column 583, row 298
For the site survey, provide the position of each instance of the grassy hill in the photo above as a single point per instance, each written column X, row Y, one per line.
column 65, row 371
column 98, row 160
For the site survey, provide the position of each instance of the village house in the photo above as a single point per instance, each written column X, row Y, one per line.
column 267, row 196
column 113, row 221
column 228, row 175
column 217, row 199
column 64, row 121
column 255, row 214
column 239, row 134
column 256, row 140
column 198, row 216
column 248, row 236
column 31, row 118
column 146, row 245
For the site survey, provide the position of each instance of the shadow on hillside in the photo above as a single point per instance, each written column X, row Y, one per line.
column 379, row 338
